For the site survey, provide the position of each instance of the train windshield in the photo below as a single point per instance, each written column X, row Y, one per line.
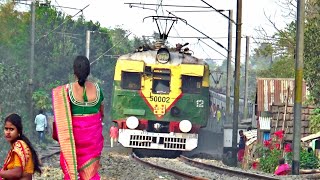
column 161, row 81
column 131, row 80
column 191, row 84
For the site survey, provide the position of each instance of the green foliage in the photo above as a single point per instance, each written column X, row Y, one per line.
column 269, row 157
column 277, row 69
column 312, row 58
column 270, row 160
column 308, row 160
column 13, row 90
column 59, row 38
column 275, row 57
column 41, row 96
column 264, row 50
column 41, row 99
column 315, row 121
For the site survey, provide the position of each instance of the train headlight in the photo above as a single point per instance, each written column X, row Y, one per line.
column 157, row 126
column 185, row 126
column 132, row 122
column 163, row 55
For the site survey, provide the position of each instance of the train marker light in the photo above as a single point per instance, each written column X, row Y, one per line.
column 185, row 126
column 132, row 122
column 175, row 111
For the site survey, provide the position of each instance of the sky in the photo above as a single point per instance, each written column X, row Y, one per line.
column 113, row 13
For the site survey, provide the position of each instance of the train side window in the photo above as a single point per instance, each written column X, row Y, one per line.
column 191, row 84
column 131, row 80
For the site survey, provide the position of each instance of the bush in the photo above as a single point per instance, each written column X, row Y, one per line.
column 270, row 160
column 271, row 152
column 308, row 160
column 315, row 120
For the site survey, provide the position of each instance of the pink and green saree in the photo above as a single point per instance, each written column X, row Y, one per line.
column 80, row 138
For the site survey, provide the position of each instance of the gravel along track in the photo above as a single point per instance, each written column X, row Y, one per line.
column 116, row 164
column 288, row 177
column 178, row 165
column 220, row 168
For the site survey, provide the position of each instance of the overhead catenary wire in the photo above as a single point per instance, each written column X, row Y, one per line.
column 219, row 11
column 213, row 48
column 131, row 6
column 65, row 7
column 60, row 7
column 178, row 34
column 81, row 10
column 170, row 13
column 160, row 5
column 189, row 11
column 167, row 5
column 109, row 49
column 202, row 48
column 201, row 32
column 198, row 37
column 184, row 6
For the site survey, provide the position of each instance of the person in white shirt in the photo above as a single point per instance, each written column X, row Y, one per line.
column 41, row 125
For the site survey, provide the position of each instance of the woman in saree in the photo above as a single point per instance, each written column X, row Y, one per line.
column 22, row 160
column 78, row 114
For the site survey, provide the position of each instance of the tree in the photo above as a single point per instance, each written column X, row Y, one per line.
column 312, row 57
column 59, row 38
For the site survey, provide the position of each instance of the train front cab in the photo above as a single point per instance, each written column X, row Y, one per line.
column 163, row 118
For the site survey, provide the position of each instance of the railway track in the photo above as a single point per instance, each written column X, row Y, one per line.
column 50, row 151
column 180, row 168
column 173, row 172
column 223, row 170
column 200, row 171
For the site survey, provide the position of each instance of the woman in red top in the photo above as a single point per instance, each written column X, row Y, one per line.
column 114, row 134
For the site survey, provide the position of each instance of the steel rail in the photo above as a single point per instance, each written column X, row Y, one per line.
column 222, row 170
column 175, row 173
column 52, row 150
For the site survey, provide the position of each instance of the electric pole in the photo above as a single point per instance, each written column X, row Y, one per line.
column 88, row 43
column 32, row 37
column 246, row 79
column 229, row 75
column 236, row 84
column 298, row 86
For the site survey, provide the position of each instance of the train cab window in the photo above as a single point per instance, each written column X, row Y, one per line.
column 131, row 80
column 191, row 84
column 161, row 82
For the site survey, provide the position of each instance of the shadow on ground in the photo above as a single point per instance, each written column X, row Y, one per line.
column 210, row 145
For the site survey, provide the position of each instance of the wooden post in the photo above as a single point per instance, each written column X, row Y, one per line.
column 277, row 120
column 284, row 119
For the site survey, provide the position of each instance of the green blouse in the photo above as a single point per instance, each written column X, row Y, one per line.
column 81, row 108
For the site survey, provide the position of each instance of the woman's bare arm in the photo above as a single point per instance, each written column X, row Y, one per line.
column 11, row 173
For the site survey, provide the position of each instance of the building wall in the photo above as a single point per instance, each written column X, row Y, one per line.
column 274, row 91
column 279, row 116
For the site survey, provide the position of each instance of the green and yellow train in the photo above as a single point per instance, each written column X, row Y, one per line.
column 160, row 99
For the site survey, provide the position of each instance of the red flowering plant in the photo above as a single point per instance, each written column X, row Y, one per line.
column 272, row 151
column 275, row 142
column 287, row 148
column 279, row 134
column 255, row 165
column 267, row 143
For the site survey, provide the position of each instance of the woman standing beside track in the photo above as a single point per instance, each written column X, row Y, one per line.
column 22, row 160
column 78, row 114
